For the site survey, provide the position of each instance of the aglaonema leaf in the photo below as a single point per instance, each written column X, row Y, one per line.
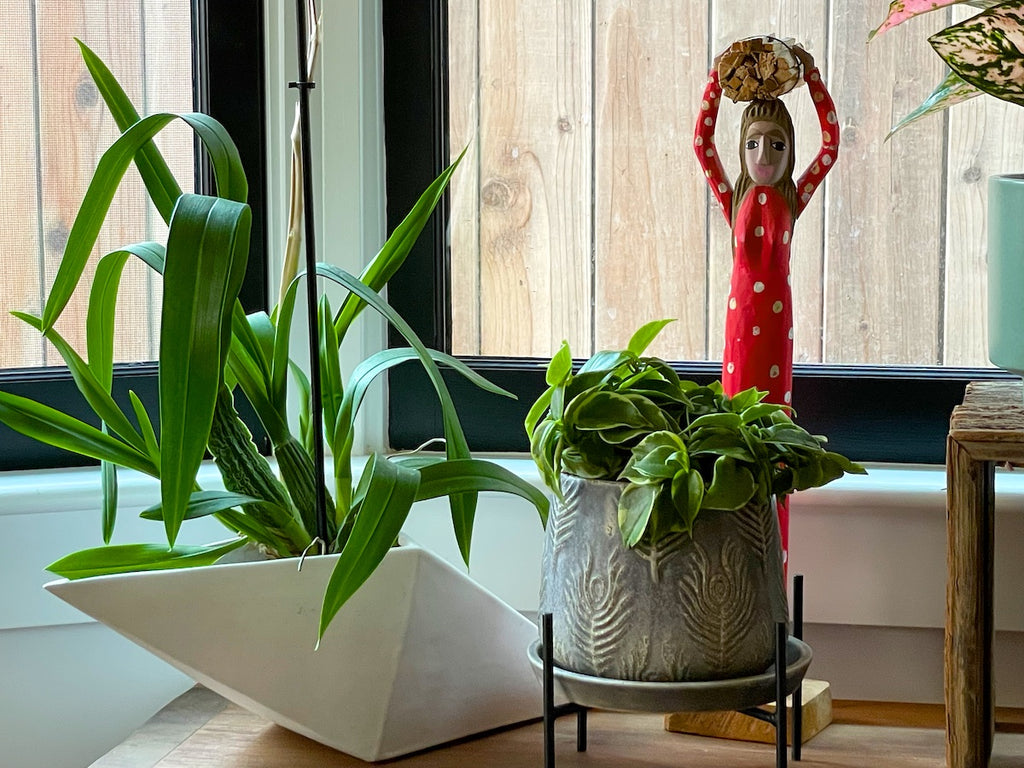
column 901, row 10
column 952, row 90
column 207, row 248
column 987, row 50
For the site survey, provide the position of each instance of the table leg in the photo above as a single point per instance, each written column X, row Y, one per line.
column 970, row 713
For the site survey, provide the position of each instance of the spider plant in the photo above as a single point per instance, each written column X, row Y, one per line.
column 211, row 353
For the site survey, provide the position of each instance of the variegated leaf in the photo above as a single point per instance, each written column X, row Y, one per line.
column 901, row 10
column 987, row 50
column 952, row 90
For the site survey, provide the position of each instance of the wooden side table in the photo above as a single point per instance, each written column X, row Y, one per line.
column 987, row 429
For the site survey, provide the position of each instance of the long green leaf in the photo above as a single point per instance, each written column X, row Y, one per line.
column 108, row 480
column 203, row 503
column 95, row 392
column 207, row 247
column 228, row 172
column 50, row 426
column 389, row 496
column 160, row 182
column 442, row 478
column 394, row 251
column 332, row 390
column 463, row 506
column 128, row 558
column 645, row 335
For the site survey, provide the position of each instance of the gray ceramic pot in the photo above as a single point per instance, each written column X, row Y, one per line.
column 700, row 608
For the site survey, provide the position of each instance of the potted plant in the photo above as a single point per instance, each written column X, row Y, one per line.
column 985, row 54
column 223, row 624
column 662, row 557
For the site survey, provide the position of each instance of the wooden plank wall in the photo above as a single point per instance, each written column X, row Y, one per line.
column 582, row 212
column 55, row 127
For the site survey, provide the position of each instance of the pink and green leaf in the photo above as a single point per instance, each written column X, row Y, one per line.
column 901, row 10
column 987, row 50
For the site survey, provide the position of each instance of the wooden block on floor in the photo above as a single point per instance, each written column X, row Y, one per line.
column 817, row 714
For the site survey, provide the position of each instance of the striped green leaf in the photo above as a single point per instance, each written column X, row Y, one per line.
column 207, row 249
column 394, row 251
column 389, row 496
column 50, row 426
column 127, row 558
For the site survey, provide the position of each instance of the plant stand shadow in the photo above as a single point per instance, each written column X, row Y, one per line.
column 746, row 695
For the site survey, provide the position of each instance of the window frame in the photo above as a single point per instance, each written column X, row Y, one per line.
column 230, row 86
column 869, row 413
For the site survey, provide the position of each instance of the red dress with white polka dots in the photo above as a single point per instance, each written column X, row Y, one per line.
column 759, row 320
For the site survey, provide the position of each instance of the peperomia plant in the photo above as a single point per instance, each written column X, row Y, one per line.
column 985, row 53
column 678, row 447
column 211, row 353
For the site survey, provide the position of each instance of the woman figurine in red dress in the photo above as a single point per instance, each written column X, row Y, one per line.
column 761, row 209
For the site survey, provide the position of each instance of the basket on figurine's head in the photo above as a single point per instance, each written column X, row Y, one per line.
column 761, row 68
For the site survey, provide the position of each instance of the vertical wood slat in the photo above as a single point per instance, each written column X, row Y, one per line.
column 19, row 221
column 649, row 222
column 534, row 175
column 76, row 130
column 464, row 121
column 807, row 23
column 884, row 205
column 167, row 67
column 888, row 257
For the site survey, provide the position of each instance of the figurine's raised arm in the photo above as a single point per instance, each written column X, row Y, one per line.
column 704, row 145
column 811, row 179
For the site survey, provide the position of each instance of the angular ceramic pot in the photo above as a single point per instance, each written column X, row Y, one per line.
column 692, row 609
column 419, row 656
column 1006, row 272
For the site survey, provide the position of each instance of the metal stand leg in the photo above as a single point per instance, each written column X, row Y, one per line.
column 551, row 712
column 548, row 685
column 798, row 633
column 781, row 635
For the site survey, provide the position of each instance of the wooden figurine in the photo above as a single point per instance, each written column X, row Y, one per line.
column 762, row 207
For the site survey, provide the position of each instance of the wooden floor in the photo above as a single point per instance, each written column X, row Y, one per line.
column 862, row 735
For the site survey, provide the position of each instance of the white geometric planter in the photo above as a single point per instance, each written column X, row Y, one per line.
column 419, row 656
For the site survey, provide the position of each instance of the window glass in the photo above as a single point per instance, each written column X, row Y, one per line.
column 581, row 211
column 55, row 127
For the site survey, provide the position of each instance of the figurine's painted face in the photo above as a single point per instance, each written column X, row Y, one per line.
column 766, row 152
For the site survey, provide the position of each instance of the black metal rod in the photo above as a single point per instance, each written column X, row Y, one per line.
column 798, row 633
column 581, row 729
column 316, row 414
column 781, row 635
column 548, row 685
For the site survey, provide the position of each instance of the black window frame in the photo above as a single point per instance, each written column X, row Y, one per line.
column 870, row 413
column 228, row 59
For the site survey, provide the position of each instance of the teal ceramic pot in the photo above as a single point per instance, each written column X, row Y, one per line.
column 1006, row 272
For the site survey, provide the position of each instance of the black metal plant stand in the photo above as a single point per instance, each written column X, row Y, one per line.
column 778, row 718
